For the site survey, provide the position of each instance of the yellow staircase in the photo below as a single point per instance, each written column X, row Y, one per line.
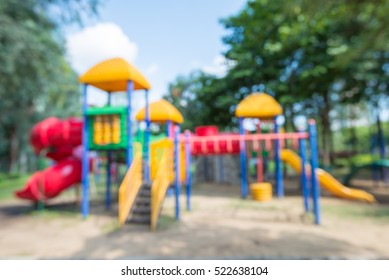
column 142, row 201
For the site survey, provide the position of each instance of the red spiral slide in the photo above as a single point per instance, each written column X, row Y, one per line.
column 58, row 140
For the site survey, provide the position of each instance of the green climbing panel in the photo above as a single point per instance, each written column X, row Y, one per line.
column 107, row 128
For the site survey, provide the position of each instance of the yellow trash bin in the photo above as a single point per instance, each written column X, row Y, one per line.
column 261, row 191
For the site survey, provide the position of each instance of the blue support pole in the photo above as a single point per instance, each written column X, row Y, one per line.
column 177, row 171
column 314, row 166
column 188, row 159
column 85, row 158
column 277, row 159
column 130, row 88
column 304, row 185
column 170, row 192
column 168, row 128
column 147, row 140
column 109, row 161
column 243, row 171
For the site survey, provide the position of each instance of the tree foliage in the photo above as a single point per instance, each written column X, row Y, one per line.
column 309, row 55
column 35, row 79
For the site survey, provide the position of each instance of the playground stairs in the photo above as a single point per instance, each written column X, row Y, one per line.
column 140, row 202
column 141, row 210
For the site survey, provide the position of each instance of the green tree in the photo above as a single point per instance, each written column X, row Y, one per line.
column 309, row 56
column 202, row 99
column 35, row 79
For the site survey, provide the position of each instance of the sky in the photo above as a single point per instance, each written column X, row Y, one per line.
column 163, row 39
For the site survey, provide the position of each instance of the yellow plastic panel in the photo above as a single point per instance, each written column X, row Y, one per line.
column 161, row 111
column 159, row 188
column 113, row 75
column 130, row 186
column 157, row 149
column 258, row 105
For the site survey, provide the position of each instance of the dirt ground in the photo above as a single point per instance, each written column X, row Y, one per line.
column 220, row 225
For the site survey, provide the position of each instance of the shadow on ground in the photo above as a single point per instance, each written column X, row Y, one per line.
column 210, row 242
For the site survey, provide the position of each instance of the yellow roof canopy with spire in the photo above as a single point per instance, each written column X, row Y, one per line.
column 161, row 111
column 113, row 75
column 258, row 105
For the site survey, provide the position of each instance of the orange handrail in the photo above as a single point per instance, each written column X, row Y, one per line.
column 130, row 186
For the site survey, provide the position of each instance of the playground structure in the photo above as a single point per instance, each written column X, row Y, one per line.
column 112, row 75
column 154, row 166
column 208, row 142
column 102, row 129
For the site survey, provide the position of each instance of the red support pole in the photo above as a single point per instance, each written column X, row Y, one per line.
column 296, row 144
column 229, row 145
column 248, row 154
column 216, row 145
column 203, row 146
column 259, row 156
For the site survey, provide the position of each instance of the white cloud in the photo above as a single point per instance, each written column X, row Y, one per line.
column 153, row 68
column 99, row 42
column 195, row 64
column 218, row 67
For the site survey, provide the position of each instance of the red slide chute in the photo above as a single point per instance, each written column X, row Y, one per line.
column 58, row 140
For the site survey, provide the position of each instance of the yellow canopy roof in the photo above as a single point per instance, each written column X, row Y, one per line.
column 258, row 105
column 113, row 74
column 161, row 111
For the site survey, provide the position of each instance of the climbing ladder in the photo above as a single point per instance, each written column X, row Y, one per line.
column 141, row 202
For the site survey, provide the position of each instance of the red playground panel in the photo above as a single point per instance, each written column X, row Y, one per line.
column 221, row 144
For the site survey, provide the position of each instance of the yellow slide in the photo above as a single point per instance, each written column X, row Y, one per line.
column 326, row 181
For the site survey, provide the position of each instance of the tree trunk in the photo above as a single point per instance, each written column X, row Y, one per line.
column 380, row 136
column 354, row 140
column 353, row 131
column 13, row 151
column 326, row 137
column 288, row 117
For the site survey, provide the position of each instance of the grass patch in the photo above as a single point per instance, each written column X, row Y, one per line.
column 165, row 222
column 111, row 227
column 50, row 214
column 11, row 183
column 371, row 212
